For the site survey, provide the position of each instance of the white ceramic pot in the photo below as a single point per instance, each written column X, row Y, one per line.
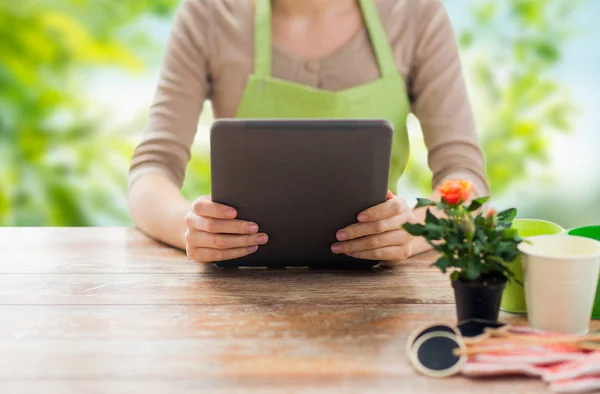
column 561, row 275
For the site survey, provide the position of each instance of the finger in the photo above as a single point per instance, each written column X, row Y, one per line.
column 201, row 239
column 358, row 230
column 220, row 226
column 389, row 196
column 395, row 206
column 391, row 238
column 205, row 207
column 207, row 255
column 388, row 253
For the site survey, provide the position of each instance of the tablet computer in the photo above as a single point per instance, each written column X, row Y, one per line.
column 301, row 181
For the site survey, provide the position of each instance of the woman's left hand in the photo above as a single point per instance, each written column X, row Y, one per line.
column 378, row 235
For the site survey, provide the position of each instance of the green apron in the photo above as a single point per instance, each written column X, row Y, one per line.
column 266, row 97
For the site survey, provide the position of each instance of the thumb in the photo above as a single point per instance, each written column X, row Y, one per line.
column 389, row 196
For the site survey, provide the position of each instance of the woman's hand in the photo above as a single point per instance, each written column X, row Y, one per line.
column 213, row 233
column 378, row 235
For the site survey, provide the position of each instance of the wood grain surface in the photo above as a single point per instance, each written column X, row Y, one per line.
column 107, row 310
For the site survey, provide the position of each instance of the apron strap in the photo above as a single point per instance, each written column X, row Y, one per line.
column 379, row 39
column 262, row 38
column 377, row 34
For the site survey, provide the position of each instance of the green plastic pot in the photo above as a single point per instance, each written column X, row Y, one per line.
column 513, row 298
column 592, row 232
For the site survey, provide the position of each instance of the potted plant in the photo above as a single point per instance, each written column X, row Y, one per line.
column 477, row 248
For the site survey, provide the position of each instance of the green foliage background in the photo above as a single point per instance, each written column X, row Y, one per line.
column 58, row 165
column 61, row 164
column 519, row 106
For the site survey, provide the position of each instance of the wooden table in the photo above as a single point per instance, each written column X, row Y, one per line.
column 107, row 310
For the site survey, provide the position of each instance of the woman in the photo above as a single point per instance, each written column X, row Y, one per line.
column 309, row 58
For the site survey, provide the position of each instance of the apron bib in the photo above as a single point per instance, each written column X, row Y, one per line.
column 266, row 97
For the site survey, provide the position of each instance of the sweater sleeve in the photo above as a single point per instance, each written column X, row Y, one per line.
column 440, row 101
column 183, row 87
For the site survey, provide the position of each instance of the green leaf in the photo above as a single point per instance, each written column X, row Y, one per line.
column 477, row 203
column 508, row 215
column 416, row 229
column 472, row 272
column 431, row 218
column 424, row 202
column 454, row 276
column 434, row 232
column 496, row 259
column 443, row 263
column 437, row 247
column 480, row 220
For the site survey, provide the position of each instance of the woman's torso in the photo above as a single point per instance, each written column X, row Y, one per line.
column 230, row 47
column 210, row 56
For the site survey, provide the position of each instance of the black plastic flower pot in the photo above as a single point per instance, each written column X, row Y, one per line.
column 478, row 299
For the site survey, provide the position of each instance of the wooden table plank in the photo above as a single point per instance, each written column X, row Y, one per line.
column 349, row 385
column 248, row 358
column 226, row 287
column 24, row 323
column 98, row 260
column 234, row 364
column 216, row 321
column 88, row 250
column 107, row 310
column 96, row 250
column 131, row 342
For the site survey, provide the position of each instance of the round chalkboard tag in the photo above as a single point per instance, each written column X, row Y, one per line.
column 433, row 354
column 435, row 327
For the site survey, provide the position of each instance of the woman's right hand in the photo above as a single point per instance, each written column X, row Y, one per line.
column 214, row 234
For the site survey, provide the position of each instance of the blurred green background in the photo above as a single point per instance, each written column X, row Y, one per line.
column 77, row 78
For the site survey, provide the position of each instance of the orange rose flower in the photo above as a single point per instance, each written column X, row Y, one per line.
column 455, row 192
